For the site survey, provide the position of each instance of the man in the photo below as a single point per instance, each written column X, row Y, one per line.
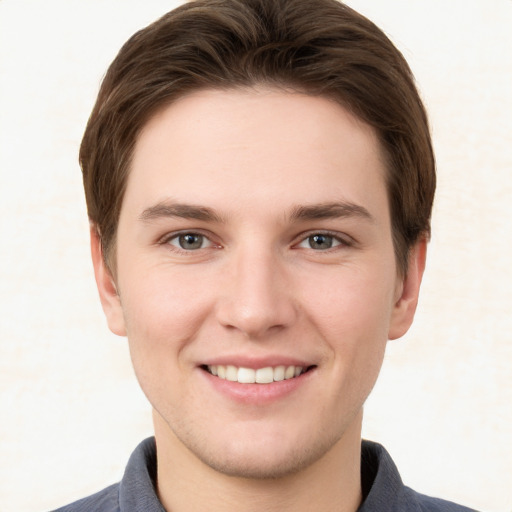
column 259, row 179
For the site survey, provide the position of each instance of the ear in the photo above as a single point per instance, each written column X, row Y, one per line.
column 109, row 296
column 408, row 290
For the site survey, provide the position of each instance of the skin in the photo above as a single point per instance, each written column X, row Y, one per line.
column 261, row 172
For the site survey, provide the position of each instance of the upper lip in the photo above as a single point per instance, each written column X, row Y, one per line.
column 245, row 361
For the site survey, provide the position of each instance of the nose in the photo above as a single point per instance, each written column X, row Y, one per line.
column 257, row 296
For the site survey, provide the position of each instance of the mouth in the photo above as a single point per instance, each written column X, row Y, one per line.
column 265, row 375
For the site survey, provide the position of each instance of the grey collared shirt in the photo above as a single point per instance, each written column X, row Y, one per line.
column 383, row 489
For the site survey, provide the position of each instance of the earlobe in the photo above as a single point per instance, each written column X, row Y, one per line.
column 110, row 300
column 405, row 306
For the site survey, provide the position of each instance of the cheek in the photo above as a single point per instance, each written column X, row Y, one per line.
column 162, row 310
column 163, row 315
column 354, row 300
column 353, row 314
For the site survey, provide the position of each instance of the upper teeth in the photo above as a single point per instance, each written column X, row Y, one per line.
column 260, row 376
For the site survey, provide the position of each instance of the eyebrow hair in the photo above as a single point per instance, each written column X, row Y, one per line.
column 186, row 211
column 330, row 211
column 333, row 210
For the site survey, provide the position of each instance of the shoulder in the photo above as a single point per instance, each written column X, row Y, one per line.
column 384, row 491
column 426, row 503
column 106, row 500
column 136, row 491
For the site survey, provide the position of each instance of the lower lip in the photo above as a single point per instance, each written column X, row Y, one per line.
column 257, row 394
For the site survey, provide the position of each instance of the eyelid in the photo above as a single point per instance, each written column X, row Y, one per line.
column 343, row 239
column 164, row 240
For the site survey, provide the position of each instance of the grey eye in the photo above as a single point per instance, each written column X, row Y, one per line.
column 320, row 242
column 188, row 241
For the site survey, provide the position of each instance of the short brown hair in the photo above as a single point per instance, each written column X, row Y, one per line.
column 319, row 47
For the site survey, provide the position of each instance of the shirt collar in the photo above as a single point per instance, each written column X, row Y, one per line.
column 137, row 490
column 382, row 486
column 381, row 482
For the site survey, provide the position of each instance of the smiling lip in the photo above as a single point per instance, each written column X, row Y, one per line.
column 265, row 375
column 257, row 383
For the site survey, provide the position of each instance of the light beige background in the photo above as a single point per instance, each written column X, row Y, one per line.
column 70, row 409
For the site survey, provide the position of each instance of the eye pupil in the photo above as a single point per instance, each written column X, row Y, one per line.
column 190, row 241
column 320, row 242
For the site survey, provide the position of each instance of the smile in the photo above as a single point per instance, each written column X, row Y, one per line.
column 265, row 375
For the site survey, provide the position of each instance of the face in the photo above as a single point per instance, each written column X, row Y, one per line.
column 256, row 278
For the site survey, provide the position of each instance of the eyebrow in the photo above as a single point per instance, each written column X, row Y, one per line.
column 165, row 209
column 334, row 210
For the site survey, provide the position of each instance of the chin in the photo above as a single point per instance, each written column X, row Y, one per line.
column 261, row 460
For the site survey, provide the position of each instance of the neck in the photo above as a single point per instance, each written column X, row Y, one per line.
column 332, row 483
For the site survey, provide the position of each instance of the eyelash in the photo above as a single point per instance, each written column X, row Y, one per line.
column 343, row 241
column 340, row 241
column 167, row 239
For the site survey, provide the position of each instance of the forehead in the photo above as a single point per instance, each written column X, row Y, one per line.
column 222, row 148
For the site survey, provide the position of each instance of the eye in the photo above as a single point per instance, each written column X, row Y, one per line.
column 320, row 242
column 190, row 241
